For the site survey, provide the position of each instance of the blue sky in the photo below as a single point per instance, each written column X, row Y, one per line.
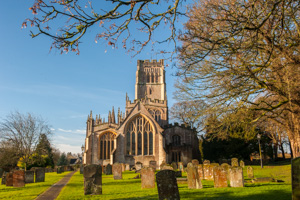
column 63, row 88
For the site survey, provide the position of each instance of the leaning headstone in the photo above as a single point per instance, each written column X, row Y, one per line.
column 242, row 164
column 180, row 166
column 296, row 179
column 9, row 179
column 138, row 166
column 194, row 181
column 152, row 163
column 174, row 165
column 220, row 177
column 200, row 171
column 236, row 177
column 206, row 162
column 40, row 175
column 117, row 171
column 108, row 169
column 3, row 181
column 250, row 173
column 195, row 162
column 167, row 185
column 148, row 177
column 92, row 179
column 19, row 178
column 29, row 176
column 81, row 169
column 234, row 162
column 208, row 171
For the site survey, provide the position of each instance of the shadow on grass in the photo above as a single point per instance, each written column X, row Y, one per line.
column 122, row 182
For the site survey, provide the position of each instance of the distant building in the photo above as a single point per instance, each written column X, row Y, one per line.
column 142, row 133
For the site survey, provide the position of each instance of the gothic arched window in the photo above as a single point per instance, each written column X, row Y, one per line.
column 157, row 116
column 106, row 145
column 176, row 140
column 139, row 137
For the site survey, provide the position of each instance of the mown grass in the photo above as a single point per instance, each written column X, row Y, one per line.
column 31, row 190
column 130, row 188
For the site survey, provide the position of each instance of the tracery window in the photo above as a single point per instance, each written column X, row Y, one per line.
column 176, row 140
column 139, row 137
column 156, row 114
column 106, row 145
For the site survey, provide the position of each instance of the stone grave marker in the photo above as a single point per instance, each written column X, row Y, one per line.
column 138, row 166
column 194, row 181
column 180, row 166
column 1, row 172
column 226, row 167
column 167, row 185
column 108, row 169
column 195, row 162
column 9, row 179
column 152, row 163
column 162, row 165
column 242, row 164
column 127, row 167
column 123, row 167
column 148, row 177
column 208, row 171
column 19, row 178
column 296, row 179
column 29, row 176
column 234, row 162
column 220, row 177
column 117, row 171
column 40, row 175
column 206, row 162
column 92, row 179
column 81, row 169
column 174, row 165
column 3, row 181
column 250, row 173
column 200, row 171
column 59, row 170
column 236, row 177
column 167, row 167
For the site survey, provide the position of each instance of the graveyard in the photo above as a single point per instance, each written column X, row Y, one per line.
column 129, row 187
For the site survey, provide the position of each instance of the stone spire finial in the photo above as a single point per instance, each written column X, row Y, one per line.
column 91, row 114
column 113, row 118
column 109, row 117
column 119, row 118
column 127, row 98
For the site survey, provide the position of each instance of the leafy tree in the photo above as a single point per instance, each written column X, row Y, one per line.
column 44, row 150
column 244, row 53
column 62, row 160
column 23, row 132
column 115, row 20
column 8, row 155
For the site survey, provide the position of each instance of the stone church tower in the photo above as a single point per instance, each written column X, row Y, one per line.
column 143, row 133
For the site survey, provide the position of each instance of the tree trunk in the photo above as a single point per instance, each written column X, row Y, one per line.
column 275, row 150
column 295, row 146
column 282, row 150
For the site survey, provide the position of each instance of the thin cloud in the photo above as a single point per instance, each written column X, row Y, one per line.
column 78, row 131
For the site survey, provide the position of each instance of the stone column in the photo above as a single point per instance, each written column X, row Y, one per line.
column 92, row 179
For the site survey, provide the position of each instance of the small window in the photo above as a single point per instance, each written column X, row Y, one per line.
column 176, row 140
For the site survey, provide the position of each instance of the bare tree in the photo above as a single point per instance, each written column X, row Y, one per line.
column 67, row 21
column 23, row 132
column 235, row 52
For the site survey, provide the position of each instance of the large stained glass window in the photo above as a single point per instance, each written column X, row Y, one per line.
column 106, row 145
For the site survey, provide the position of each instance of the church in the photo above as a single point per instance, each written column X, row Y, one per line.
column 142, row 133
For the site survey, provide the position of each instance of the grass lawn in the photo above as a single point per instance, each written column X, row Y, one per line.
column 31, row 190
column 129, row 188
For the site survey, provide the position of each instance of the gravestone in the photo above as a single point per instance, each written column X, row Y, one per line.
column 180, row 166
column 263, row 180
column 200, row 171
column 250, row 173
column 19, row 178
column 195, row 162
column 9, row 179
column 194, row 181
column 167, row 167
column 3, row 181
column 117, row 171
column 29, row 176
column 81, row 169
column 220, row 177
column 108, row 169
column 174, row 165
column 236, row 177
column 148, row 177
column 92, row 179
column 123, row 167
column 242, row 164
column 59, row 170
column 226, row 167
column 296, row 179
column 234, row 162
column 206, row 162
column 162, row 165
column 40, row 175
column 208, row 172
column 215, row 164
column 152, row 163
column 1, row 172
column 127, row 167
column 167, row 185
column 138, row 166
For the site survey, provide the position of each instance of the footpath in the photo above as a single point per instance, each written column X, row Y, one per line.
column 54, row 190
